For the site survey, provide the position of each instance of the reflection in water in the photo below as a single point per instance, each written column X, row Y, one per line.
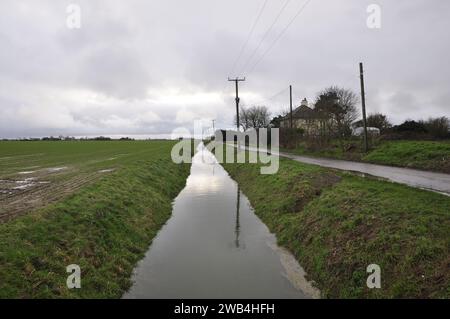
column 195, row 256
column 238, row 227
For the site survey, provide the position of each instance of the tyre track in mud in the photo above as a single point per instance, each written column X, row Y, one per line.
column 22, row 202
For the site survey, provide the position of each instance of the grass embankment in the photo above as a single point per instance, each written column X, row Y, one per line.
column 425, row 155
column 337, row 224
column 104, row 227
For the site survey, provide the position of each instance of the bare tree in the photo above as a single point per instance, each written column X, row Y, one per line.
column 253, row 117
column 338, row 105
column 244, row 121
column 438, row 127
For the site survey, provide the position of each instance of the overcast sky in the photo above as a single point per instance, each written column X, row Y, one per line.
column 147, row 67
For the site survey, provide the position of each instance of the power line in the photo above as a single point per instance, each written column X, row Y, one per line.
column 274, row 96
column 280, row 35
column 265, row 35
column 247, row 41
column 252, row 29
column 280, row 92
column 268, row 99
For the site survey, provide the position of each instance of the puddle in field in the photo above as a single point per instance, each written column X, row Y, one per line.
column 24, row 185
column 10, row 186
column 27, row 183
column 114, row 157
column 108, row 170
column 20, row 156
column 26, row 172
column 214, row 246
column 56, row 169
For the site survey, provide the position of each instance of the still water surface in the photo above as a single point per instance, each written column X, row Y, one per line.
column 214, row 246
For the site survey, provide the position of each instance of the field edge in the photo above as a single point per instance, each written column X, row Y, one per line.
column 105, row 228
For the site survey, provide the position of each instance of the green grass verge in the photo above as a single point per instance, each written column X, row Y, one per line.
column 332, row 151
column 425, row 155
column 337, row 224
column 105, row 228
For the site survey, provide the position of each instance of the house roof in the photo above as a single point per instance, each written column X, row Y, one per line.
column 304, row 112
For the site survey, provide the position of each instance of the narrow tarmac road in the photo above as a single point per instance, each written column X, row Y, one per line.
column 437, row 182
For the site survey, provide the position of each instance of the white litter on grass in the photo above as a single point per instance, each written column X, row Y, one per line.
column 26, row 172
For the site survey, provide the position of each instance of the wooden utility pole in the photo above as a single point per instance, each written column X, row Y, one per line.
column 363, row 102
column 214, row 130
column 236, row 81
column 290, row 103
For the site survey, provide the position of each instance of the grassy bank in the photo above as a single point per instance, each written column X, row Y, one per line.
column 105, row 226
column 337, row 224
column 426, row 155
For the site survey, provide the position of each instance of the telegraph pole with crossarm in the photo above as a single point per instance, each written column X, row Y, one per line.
column 236, row 81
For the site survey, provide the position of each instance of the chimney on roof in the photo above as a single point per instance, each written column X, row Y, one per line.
column 304, row 102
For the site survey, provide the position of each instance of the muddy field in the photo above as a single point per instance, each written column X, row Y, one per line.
column 21, row 195
column 34, row 174
column 97, row 204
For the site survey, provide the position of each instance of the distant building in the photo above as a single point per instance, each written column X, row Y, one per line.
column 304, row 117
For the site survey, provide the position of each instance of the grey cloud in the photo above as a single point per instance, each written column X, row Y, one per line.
column 115, row 71
column 112, row 75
